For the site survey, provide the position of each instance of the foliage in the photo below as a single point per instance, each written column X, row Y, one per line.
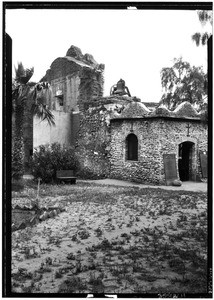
column 24, row 92
column 49, row 158
column 205, row 17
column 17, row 185
column 87, row 173
column 183, row 82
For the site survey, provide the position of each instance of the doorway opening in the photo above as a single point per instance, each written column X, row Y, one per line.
column 185, row 161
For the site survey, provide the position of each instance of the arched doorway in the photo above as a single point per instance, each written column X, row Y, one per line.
column 185, row 161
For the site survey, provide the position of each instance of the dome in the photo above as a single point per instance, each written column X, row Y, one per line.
column 185, row 109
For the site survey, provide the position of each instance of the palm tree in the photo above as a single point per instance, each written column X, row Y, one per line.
column 24, row 91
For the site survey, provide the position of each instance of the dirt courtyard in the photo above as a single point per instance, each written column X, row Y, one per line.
column 112, row 239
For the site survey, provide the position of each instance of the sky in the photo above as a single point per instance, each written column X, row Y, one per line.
column 133, row 44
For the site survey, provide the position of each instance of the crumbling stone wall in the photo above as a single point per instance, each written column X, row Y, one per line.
column 91, row 84
column 156, row 136
column 79, row 78
column 93, row 142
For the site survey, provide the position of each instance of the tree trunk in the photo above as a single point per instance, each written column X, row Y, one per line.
column 18, row 143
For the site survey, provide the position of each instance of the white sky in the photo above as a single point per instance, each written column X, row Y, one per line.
column 133, row 44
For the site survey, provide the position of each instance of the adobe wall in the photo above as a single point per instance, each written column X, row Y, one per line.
column 61, row 133
column 69, row 85
column 155, row 138
column 79, row 78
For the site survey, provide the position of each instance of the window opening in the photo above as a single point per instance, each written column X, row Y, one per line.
column 132, row 147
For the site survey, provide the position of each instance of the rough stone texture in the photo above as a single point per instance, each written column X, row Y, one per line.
column 93, row 143
column 185, row 109
column 156, row 136
column 134, row 109
column 75, row 52
column 91, row 84
column 177, row 182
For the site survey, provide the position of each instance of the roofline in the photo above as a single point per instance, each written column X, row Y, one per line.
column 196, row 119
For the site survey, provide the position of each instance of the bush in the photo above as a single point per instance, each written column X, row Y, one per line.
column 86, row 173
column 49, row 158
column 17, row 185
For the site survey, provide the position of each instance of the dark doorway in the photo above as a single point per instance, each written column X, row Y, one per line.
column 185, row 161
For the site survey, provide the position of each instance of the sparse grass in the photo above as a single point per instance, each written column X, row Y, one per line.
column 164, row 232
column 72, row 285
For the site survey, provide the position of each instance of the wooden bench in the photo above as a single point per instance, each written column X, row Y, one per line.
column 66, row 176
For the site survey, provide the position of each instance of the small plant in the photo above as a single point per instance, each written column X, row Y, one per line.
column 71, row 256
column 78, row 267
column 98, row 232
column 54, row 240
column 135, row 233
column 115, row 271
column 58, row 274
column 96, row 283
column 49, row 261
column 71, row 285
column 83, row 234
column 27, row 289
column 137, row 268
column 124, row 235
column 74, row 238
column 92, row 266
column 22, row 274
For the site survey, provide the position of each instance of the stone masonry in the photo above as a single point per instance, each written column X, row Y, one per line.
column 157, row 134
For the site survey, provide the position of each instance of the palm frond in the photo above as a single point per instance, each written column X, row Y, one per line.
column 42, row 112
column 23, row 75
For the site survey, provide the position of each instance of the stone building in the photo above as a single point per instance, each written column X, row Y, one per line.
column 73, row 79
column 145, row 144
column 119, row 136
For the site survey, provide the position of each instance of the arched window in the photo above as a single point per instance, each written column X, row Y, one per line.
column 132, row 147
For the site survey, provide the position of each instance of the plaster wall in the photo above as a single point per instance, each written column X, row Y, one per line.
column 44, row 133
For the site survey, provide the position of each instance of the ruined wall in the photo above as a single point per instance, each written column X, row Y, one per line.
column 93, row 145
column 91, row 84
column 155, row 138
column 73, row 79
column 78, row 77
column 69, row 86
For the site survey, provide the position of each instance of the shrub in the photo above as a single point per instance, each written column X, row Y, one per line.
column 86, row 173
column 49, row 158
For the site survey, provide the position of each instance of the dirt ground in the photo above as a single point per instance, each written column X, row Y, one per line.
column 113, row 239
